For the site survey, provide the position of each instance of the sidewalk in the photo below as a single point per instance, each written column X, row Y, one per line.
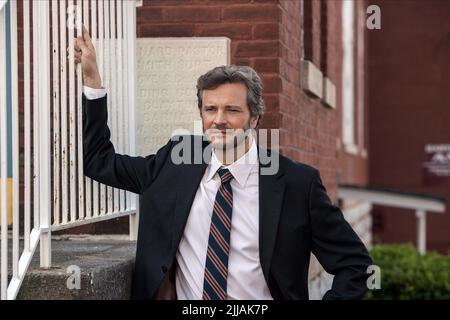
column 105, row 265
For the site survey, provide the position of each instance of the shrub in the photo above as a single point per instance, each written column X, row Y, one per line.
column 405, row 274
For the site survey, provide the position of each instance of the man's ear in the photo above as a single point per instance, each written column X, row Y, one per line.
column 254, row 122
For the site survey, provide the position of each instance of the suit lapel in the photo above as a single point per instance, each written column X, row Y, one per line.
column 190, row 176
column 271, row 192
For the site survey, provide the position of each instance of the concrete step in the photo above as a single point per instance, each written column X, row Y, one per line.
column 102, row 264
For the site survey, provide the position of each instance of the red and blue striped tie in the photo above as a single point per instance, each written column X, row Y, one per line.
column 216, row 267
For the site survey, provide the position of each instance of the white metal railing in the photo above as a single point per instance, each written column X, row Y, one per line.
column 421, row 204
column 56, row 194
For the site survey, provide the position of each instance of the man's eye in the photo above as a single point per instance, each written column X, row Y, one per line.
column 234, row 110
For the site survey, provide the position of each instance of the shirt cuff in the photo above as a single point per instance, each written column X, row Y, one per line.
column 92, row 94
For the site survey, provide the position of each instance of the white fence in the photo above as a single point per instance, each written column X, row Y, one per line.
column 41, row 147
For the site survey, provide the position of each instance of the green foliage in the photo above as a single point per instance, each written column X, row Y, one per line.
column 405, row 274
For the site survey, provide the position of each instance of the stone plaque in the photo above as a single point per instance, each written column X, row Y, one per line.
column 167, row 73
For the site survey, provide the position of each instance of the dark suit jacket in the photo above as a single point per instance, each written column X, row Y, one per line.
column 296, row 217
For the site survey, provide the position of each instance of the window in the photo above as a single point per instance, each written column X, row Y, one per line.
column 348, row 76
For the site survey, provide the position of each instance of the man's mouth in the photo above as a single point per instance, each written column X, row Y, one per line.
column 223, row 132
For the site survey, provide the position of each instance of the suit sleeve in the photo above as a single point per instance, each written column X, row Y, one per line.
column 103, row 164
column 336, row 246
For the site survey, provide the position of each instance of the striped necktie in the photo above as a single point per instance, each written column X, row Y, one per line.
column 216, row 267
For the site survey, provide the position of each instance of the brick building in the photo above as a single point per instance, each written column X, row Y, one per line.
column 409, row 111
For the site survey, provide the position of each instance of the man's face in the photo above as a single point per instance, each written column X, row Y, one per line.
column 226, row 115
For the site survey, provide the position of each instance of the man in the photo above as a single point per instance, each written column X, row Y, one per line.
column 220, row 229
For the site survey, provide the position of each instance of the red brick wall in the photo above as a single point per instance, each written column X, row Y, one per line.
column 409, row 70
column 266, row 35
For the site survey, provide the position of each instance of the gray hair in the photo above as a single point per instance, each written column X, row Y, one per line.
column 234, row 74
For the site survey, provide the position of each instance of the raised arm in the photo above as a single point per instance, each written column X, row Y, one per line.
column 100, row 160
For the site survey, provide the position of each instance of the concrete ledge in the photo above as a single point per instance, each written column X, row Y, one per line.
column 329, row 93
column 312, row 79
column 105, row 267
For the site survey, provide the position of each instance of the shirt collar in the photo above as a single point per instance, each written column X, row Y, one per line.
column 240, row 169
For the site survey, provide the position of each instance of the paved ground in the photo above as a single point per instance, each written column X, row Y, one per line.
column 102, row 264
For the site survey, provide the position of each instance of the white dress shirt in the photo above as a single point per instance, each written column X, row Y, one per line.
column 92, row 94
column 245, row 276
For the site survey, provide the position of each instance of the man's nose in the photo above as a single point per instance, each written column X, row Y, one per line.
column 220, row 119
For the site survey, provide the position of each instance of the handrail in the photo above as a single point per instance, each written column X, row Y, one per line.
column 394, row 198
column 421, row 203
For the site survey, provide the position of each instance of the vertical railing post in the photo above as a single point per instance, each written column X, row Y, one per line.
column 113, row 92
column 27, row 124
column 131, row 44
column 79, row 119
column 96, row 42
column 88, row 180
column 15, row 136
column 120, row 105
column 35, row 100
column 71, row 10
column 107, row 81
column 3, row 159
column 125, row 102
column 65, row 198
column 421, row 231
column 102, row 67
column 45, row 190
column 56, row 115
